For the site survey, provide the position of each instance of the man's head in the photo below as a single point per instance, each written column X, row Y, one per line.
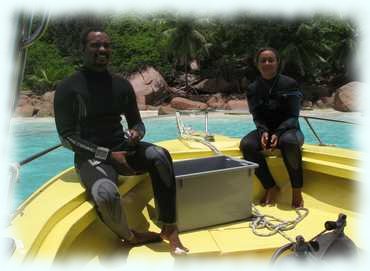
column 96, row 48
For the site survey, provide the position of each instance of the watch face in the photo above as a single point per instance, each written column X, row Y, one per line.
column 101, row 153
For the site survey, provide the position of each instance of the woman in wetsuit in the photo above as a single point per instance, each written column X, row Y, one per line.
column 274, row 102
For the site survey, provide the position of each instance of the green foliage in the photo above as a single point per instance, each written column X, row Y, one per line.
column 300, row 48
column 341, row 37
column 45, row 68
column 136, row 44
column 312, row 49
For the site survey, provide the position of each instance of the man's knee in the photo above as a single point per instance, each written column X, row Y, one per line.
column 106, row 196
column 161, row 163
column 156, row 153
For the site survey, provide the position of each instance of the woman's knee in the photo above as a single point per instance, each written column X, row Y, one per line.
column 248, row 145
column 290, row 139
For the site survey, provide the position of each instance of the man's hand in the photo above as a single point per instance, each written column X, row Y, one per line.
column 120, row 158
column 274, row 141
column 264, row 140
column 134, row 136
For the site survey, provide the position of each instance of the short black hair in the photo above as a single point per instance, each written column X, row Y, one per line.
column 257, row 55
column 86, row 32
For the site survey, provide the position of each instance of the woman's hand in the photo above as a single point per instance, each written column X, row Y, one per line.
column 274, row 141
column 265, row 140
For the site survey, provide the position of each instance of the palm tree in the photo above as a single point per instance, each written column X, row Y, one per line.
column 344, row 47
column 302, row 49
column 185, row 43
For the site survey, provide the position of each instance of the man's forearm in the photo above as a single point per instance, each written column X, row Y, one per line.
column 86, row 148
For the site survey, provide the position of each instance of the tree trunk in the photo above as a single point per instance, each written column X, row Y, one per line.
column 186, row 73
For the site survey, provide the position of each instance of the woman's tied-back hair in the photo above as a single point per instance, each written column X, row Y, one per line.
column 257, row 55
column 86, row 32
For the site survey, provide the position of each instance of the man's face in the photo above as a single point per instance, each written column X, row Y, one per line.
column 97, row 51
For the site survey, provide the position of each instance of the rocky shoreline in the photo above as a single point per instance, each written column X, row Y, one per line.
column 154, row 94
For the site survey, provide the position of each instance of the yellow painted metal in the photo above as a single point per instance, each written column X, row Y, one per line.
column 57, row 223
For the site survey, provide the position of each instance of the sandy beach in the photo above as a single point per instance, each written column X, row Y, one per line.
column 356, row 117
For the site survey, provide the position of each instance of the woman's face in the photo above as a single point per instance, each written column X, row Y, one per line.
column 267, row 64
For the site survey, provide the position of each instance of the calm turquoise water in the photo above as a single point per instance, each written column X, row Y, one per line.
column 34, row 136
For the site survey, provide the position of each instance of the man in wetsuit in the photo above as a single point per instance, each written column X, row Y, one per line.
column 88, row 107
column 274, row 102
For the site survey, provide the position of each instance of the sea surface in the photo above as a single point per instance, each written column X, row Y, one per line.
column 32, row 136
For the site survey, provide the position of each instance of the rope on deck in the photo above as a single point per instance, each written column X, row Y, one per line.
column 274, row 224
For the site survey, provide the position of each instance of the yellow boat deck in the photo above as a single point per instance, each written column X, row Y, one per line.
column 234, row 239
column 62, row 225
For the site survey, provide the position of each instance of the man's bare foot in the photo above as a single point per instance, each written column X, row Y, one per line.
column 297, row 200
column 141, row 238
column 171, row 234
column 270, row 196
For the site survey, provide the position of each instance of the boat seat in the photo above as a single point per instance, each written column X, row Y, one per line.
column 317, row 158
column 269, row 153
column 64, row 217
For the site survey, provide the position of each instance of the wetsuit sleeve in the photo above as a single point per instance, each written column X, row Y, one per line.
column 260, row 124
column 132, row 113
column 293, row 106
column 257, row 118
column 66, row 110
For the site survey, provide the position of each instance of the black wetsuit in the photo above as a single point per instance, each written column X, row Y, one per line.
column 88, row 107
column 275, row 106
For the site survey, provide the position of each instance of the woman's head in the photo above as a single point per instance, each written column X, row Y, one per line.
column 267, row 61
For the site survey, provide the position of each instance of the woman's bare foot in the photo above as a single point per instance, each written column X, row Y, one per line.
column 141, row 238
column 171, row 234
column 270, row 196
column 297, row 199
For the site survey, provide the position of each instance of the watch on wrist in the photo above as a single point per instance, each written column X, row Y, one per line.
column 101, row 153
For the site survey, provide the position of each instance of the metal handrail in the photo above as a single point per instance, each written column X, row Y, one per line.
column 14, row 169
column 202, row 141
column 333, row 120
column 185, row 133
column 325, row 119
column 313, row 131
column 28, row 41
column 39, row 154
column 25, row 39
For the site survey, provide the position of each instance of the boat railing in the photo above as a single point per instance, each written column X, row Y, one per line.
column 187, row 133
column 312, row 129
column 25, row 38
